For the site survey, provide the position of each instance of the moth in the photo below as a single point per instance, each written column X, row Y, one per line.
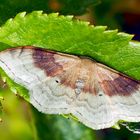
column 59, row 83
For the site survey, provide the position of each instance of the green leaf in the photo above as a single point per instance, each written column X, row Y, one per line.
column 62, row 34
column 15, row 88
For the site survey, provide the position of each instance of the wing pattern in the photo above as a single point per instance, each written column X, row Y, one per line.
column 60, row 83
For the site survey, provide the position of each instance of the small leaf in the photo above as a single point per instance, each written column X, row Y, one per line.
column 15, row 88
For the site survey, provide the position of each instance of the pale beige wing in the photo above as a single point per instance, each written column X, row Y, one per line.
column 37, row 70
column 110, row 97
column 123, row 91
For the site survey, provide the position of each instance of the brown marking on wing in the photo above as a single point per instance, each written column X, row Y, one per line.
column 122, row 86
column 84, row 70
column 68, row 79
column 114, row 83
column 45, row 60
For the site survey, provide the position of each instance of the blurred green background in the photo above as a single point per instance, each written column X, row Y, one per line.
column 20, row 120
